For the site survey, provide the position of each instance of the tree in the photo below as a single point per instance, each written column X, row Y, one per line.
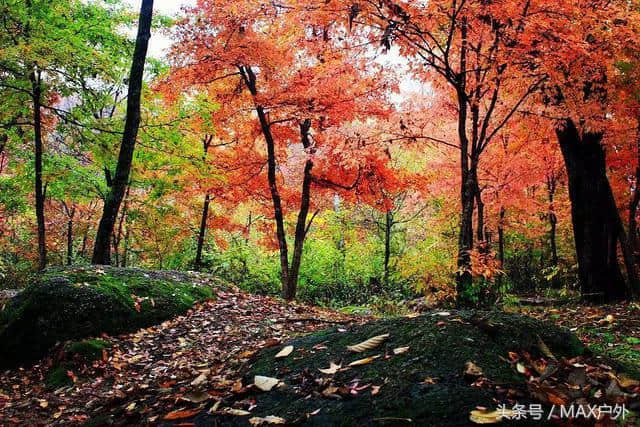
column 49, row 48
column 301, row 88
column 102, row 247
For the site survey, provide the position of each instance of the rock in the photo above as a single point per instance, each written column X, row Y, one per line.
column 438, row 352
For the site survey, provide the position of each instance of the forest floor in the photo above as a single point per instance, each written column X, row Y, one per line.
column 158, row 374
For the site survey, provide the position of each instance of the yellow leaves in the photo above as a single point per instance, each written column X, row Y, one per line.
column 286, row 351
column 265, row 383
column 364, row 361
column 489, row 417
column 369, row 344
column 332, row 369
column 472, row 369
column 624, row 380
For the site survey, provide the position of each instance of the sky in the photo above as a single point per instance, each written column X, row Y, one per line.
column 160, row 42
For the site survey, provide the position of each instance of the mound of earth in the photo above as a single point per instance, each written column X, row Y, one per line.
column 437, row 381
column 66, row 304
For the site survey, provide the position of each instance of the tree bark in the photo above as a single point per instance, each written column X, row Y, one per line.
column 101, row 251
column 206, row 144
column 202, row 233
column 36, row 84
column 596, row 221
column 480, row 215
column 387, row 245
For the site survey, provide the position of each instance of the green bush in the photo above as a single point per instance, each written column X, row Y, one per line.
column 65, row 305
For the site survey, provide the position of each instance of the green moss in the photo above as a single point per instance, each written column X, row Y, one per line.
column 72, row 304
column 57, row 377
column 89, row 350
column 438, row 351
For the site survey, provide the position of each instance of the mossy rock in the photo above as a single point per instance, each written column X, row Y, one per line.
column 437, row 350
column 63, row 305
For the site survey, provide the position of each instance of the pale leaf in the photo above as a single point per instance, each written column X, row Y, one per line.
column 364, row 361
column 284, row 352
column 368, row 344
column 332, row 369
column 265, row 383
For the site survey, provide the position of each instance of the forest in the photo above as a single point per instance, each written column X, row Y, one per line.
column 319, row 212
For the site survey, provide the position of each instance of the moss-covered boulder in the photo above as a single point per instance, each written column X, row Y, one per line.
column 426, row 384
column 76, row 303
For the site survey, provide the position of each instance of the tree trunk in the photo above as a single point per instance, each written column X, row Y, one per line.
column 387, row 245
column 101, row 251
column 289, row 291
column 553, row 221
column 202, row 232
column 275, row 197
column 596, row 221
column 36, row 84
column 635, row 200
column 249, row 78
column 480, row 204
column 125, row 253
column 501, row 237
column 70, row 216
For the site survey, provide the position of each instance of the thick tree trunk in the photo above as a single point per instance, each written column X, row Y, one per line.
column 387, row 245
column 38, row 146
column 596, row 221
column 202, row 233
column 101, row 251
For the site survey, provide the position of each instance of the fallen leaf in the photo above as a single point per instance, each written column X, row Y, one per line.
column 236, row 412
column 43, row 403
column 429, row 380
column 368, row 344
column 284, row 352
column 332, row 369
column 270, row 419
column 521, row 368
column 265, row 383
column 178, row 415
column 200, row 379
column 364, row 361
column 196, row 397
column 131, row 406
column 472, row 369
column 489, row 417
column 375, row 389
column 400, row 350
